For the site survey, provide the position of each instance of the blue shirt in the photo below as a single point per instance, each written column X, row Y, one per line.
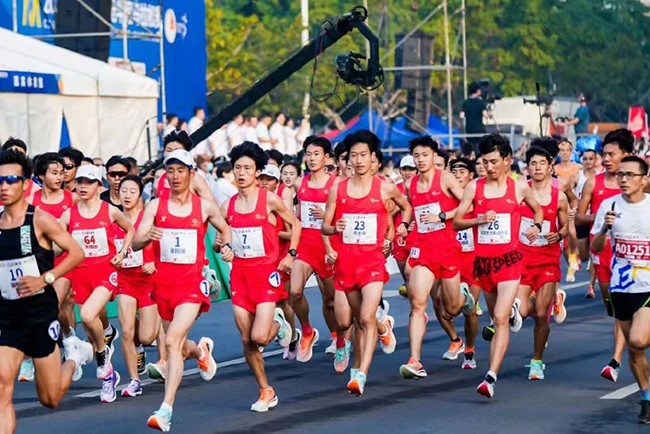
column 582, row 114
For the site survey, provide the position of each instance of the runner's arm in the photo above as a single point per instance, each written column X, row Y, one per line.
column 213, row 215
column 585, row 200
column 330, row 209
column 277, row 206
column 202, row 189
column 599, row 229
column 393, row 193
column 563, row 219
column 529, row 198
column 124, row 223
column 142, row 236
column 55, row 233
column 460, row 222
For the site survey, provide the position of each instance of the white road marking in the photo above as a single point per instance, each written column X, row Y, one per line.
column 623, row 392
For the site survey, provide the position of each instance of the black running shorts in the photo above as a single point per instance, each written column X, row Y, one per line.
column 35, row 340
column 625, row 305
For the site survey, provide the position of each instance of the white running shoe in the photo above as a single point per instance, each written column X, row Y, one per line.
column 207, row 364
column 516, row 321
column 26, row 370
column 382, row 312
column 284, row 332
column 331, row 348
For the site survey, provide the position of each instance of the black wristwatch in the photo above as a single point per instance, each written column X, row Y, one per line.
column 442, row 216
column 293, row 253
column 406, row 225
column 227, row 245
column 539, row 226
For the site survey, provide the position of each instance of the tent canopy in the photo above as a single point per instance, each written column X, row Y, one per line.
column 395, row 133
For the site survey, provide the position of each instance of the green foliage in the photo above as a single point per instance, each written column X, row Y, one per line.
column 597, row 46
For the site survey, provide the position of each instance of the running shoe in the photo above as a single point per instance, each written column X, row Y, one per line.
column 211, row 276
column 133, row 389
column 306, row 347
column 574, row 266
column 610, row 373
column 479, row 311
column 536, row 371
column 488, row 332
column 157, row 371
column 331, row 348
column 353, row 373
column 80, row 352
column 590, row 292
column 291, row 351
column 644, row 416
column 357, row 384
column 470, row 303
column 109, row 339
column 559, row 311
column 342, row 358
column 207, row 364
column 104, row 366
column 161, row 420
column 26, row 370
column 516, row 321
column 402, row 291
column 142, row 360
column 388, row 341
column 412, row 369
column 268, row 399
column 469, row 362
column 455, row 348
column 109, row 386
column 382, row 309
column 486, row 389
column 284, row 332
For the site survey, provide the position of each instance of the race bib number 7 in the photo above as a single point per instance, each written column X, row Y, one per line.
column 13, row 269
column 248, row 243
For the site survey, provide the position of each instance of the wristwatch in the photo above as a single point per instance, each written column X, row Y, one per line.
column 442, row 216
column 49, row 277
column 539, row 226
column 293, row 253
column 227, row 245
column 406, row 225
column 125, row 252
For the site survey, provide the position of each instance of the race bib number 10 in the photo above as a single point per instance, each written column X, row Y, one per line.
column 13, row 269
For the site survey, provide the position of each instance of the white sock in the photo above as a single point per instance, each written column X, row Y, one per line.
column 108, row 330
column 165, row 406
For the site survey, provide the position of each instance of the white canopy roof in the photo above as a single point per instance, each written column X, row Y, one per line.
column 79, row 75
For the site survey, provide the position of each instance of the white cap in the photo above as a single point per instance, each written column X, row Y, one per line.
column 271, row 171
column 88, row 171
column 180, row 156
column 407, row 161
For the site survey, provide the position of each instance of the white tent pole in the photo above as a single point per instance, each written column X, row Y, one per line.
column 370, row 125
column 448, row 68
column 125, row 37
column 304, row 12
column 464, row 38
column 163, row 85
column 14, row 13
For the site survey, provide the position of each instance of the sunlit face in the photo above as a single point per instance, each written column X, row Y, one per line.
column 539, row 168
column 588, row 160
column 361, row 158
column 612, row 156
column 424, row 158
column 114, row 174
column 13, row 188
column 179, row 177
column 289, row 175
column 315, row 158
column 271, row 184
column 245, row 172
column 566, row 150
column 53, row 178
column 463, row 175
column 171, row 147
column 408, row 173
column 129, row 194
column 630, row 178
column 69, row 170
column 495, row 165
column 86, row 188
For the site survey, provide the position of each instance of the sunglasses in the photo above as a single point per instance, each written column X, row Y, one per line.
column 11, row 179
column 117, row 174
column 69, row 166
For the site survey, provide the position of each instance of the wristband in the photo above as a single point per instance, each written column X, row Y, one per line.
column 227, row 245
column 539, row 226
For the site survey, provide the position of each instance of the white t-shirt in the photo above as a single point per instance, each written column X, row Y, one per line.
column 630, row 238
column 223, row 190
column 235, row 134
column 219, row 143
column 194, row 124
column 250, row 134
column 290, row 141
column 277, row 133
column 263, row 133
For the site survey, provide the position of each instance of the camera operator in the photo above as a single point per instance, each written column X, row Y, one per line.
column 581, row 118
column 473, row 111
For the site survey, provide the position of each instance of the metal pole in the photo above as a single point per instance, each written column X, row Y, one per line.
column 148, row 140
column 464, row 37
column 304, row 13
column 125, row 29
column 163, row 86
column 448, row 65
column 370, row 120
column 14, row 13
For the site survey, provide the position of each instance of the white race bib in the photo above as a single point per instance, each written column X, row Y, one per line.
column 360, row 229
column 496, row 232
column 541, row 241
column 94, row 242
column 307, row 220
column 635, row 248
column 13, row 269
column 135, row 259
column 248, row 243
column 178, row 246
column 466, row 240
column 430, row 208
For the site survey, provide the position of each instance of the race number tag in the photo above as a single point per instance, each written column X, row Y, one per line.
column 134, row 259
column 635, row 248
column 178, row 246
column 94, row 242
column 541, row 241
column 430, row 208
column 360, row 229
column 496, row 232
column 466, row 240
column 248, row 243
column 307, row 220
column 13, row 269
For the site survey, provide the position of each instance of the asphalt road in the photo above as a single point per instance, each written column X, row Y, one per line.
column 313, row 397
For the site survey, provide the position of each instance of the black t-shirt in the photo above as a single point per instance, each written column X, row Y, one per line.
column 106, row 197
column 473, row 109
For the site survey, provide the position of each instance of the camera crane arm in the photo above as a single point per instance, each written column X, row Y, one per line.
column 328, row 36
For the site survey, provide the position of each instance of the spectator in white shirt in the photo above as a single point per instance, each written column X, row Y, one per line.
column 263, row 136
column 304, row 131
column 182, row 125
column 250, row 129
column 290, row 138
column 172, row 124
column 277, row 133
column 218, row 142
column 197, row 121
column 224, row 188
column 235, row 131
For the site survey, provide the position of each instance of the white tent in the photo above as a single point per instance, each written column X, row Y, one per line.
column 107, row 109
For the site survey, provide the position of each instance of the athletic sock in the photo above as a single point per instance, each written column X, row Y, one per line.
column 108, row 330
column 491, row 377
column 165, row 406
column 614, row 364
column 458, row 339
column 645, row 395
column 307, row 330
column 469, row 350
column 340, row 342
column 333, row 335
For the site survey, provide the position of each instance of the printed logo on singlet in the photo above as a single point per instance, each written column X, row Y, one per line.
column 26, row 240
column 113, row 278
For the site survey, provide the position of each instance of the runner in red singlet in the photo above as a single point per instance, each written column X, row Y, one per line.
column 177, row 222
column 255, row 279
column 94, row 281
column 402, row 245
column 357, row 217
column 134, row 291
column 498, row 264
column 616, row 145
column 541, row 263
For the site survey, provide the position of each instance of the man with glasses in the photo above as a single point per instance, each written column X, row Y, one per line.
column 116, row 169
column 72, row 159
column 623, row 220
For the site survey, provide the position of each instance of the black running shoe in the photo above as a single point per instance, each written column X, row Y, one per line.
column 488, row 333
column 142, row 362
column 644, row 416
column 109, row 339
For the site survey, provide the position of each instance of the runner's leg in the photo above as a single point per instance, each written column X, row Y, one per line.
column 10, row 359
column 54, row 379
column 506, row 293
column 127, row 308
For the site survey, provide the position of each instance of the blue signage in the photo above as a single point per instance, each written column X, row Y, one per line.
column 28, row 82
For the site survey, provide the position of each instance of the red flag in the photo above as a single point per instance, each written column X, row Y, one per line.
column 637, row 121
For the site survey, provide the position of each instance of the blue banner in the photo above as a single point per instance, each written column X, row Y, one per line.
column 28, row 82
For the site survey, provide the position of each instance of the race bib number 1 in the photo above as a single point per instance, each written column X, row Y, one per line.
column 13, row 269
column 360, row 229
column 496, row 232
column 178, row 246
